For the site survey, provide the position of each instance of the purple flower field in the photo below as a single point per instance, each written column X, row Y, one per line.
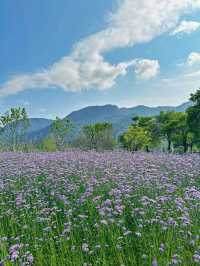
column 87, row 208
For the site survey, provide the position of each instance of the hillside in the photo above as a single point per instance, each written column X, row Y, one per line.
column 119, row 117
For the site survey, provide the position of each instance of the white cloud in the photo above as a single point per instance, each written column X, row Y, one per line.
column 186, row 27
column 193, row 58
column 193, row 74
column 132, row 22
column 146, row 69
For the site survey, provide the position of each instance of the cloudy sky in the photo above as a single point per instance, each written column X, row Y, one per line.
column 57, row 56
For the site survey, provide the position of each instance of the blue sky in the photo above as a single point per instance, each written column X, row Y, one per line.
column 59, row 56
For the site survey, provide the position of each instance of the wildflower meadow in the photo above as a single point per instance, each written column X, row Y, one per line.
column 108, row 209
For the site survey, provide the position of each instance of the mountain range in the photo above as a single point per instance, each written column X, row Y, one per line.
column 121, row 118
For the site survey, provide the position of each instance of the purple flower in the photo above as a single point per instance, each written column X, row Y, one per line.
column 154, row 262
column 85, row 247
column 196, row 258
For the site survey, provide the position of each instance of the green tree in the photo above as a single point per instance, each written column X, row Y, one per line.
column 59, row 130
column 98, row 137
column 193, row 117
column 151, row 125
column 168, row 125
column 191, row 141
column 49, row 145
column 181, row 135
column 136, row 138
column 174, row 128
column 15, row 124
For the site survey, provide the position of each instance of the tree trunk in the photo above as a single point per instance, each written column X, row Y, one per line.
column 191, row 147
column 169, row 145
column 185, row 146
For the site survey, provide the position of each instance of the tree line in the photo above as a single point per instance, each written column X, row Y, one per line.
column 165, row 130
column 178, row 131
column 168, row 131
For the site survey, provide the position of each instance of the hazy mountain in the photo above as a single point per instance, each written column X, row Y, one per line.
column 37, row 124
column 121, row 118
column 38, row 127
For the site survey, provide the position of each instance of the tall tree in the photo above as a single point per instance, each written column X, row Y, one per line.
column 168, row 125
column 15, row 125
column 193, row 117
column 98, row 137
column 151, row 125
column 136, row 138
column 59, row 130
column 181, row 132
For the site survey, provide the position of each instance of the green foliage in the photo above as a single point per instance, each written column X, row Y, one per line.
column 168, row 123
column 195, row 98
column 174, row 128
column 98, row 137
column 14, row 124
column 171, row 127
column 49, row 145
column 136, row 138
column 193, row 117
column 181, row 136
column 151, row 125
column 59, row 130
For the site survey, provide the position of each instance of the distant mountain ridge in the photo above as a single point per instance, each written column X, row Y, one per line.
column 121, row 118
column 91, row 114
